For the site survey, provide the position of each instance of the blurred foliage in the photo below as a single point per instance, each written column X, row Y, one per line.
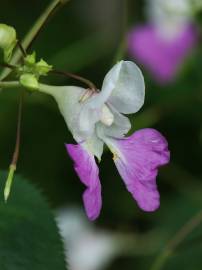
column 84, row 37
column 28, row 232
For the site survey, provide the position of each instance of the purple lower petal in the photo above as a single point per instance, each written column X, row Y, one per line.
column 161, row 56
column 88, row 172
column 138, row 159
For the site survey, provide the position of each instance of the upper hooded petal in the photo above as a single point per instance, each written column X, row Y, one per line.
column 137, row 159
column 88, row 172
column 126, row 86
column 123, row 87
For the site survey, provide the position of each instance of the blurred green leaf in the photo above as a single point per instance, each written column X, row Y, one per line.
column 81, row 54
column 29, row 237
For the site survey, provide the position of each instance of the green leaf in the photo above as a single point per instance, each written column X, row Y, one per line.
column 29, row 237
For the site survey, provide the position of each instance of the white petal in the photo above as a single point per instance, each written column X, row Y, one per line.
column 107, row 117
column 120, row 126
column 128, row 93
column 94, row 145
column 123, row 87
column 109, row 84
column 169, row 17
column 87, row 119
column 68, row 99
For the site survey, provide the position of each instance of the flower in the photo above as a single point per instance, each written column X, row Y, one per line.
column 86, row 246
column 163, row 43
column 95, row 118
column 162, row 57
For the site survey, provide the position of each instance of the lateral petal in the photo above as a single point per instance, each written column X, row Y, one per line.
column 88, row 172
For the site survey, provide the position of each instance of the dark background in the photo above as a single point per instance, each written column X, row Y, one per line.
column 84, row 37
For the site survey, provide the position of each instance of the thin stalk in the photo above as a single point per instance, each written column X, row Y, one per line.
column 176, row 241
column 122, row 44
column 6, row 65
column 9, row 84
column 34, row 31
column 90, row 84
column 42, row 21
column 15, row 157
column 20, row 46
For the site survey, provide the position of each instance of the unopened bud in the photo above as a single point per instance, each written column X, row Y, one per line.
column 8, row 40
column 29, row 81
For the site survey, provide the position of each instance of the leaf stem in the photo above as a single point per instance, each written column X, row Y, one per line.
column 10, row 84
column 15, row 157
column 90, row 84
column 9, row 182
column 6, row 65
column 122, row 43
column 22, row 50
column 34, row 31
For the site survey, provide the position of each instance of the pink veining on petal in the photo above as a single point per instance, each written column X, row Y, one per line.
column 88, row 172
column 141, row 155
column 162, row 57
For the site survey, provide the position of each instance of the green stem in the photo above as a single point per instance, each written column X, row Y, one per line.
column 13, row 164
column 176, row 241
column 123, row 44
column 10, row 84
column 33, row 33
column 49, row 89
column 9, row 182
column 90, row 84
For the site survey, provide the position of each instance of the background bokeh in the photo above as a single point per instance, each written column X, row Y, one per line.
column 85, row 37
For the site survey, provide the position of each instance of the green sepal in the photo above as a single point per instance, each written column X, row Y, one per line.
column 29, row 81
column 30, row 59
column 42, row 68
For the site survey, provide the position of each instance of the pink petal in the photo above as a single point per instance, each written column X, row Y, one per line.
column 88, row 172
column 161, row 56
column 138, row 159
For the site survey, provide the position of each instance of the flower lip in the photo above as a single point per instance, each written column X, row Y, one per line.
column 138, row 159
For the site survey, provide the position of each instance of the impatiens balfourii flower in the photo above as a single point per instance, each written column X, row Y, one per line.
column 102, row 247
column 165, row 40
column 95, row 118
